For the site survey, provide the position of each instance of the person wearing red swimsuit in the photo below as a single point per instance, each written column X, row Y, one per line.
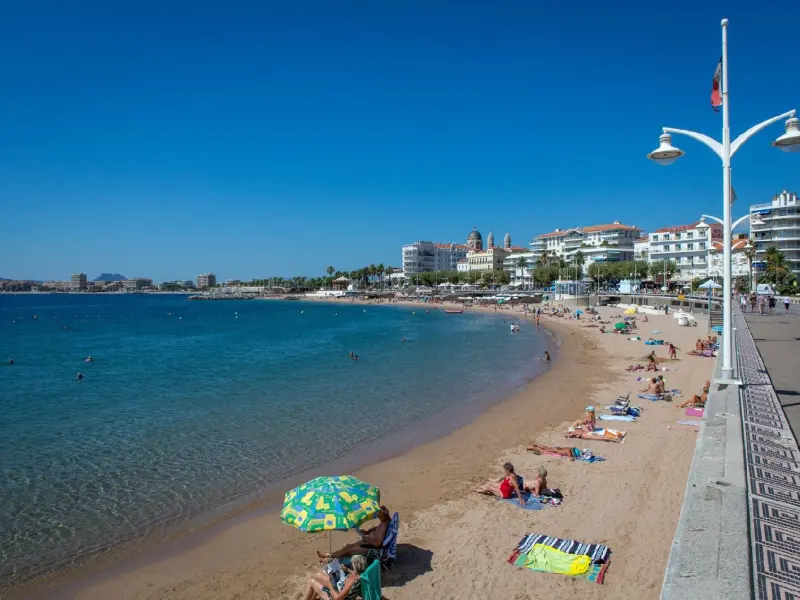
column 506, row 487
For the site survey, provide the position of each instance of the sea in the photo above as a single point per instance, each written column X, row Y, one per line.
column 189, row 407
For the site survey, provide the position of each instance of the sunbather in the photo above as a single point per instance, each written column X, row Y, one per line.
column 652, row 387
column 567, row 451
column 601, row 435
column 370, row 538
column 696, row 400
column 660, row 387
column 321, row 587
column 508, row 486
column 539, row 484
column 588, row 422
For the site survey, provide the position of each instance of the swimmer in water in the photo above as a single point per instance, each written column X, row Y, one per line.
column 546, row 356
column 404, row 339
column 88, row 359
column 11, row 360
column 79, row 376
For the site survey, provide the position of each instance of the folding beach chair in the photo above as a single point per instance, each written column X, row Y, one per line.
column 387, row 553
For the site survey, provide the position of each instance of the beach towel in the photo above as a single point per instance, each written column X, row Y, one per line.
column 653, row 397
column 694, row 412
column 598, row 555
column 597, row 552
column 690, row 423
column 534, row 502
column 625, row 418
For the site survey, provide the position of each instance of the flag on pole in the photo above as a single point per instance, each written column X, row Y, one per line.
column 716, row 88
column 733, row 195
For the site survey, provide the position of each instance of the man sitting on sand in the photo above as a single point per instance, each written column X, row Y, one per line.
column 696, row 400
column 370, row 538
column 652, row 387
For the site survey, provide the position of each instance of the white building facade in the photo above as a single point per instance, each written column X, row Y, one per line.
column 520, row 275
column 740, row 264
column 780, row 228
column 641, row 249
column 422, row 257
column 686, row 246
column 612, row 242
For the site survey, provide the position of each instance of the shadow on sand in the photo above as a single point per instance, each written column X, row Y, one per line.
column 411, row 562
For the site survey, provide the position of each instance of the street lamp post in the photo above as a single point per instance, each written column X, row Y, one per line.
column 666, row 154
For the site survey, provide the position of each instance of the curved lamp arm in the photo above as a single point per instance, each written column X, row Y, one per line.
column 700, row 137
column 737, row 143
column 739, row 220
column 713, row 219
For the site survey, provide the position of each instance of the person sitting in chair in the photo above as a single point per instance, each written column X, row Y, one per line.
column 321, row 587
column 370, row 538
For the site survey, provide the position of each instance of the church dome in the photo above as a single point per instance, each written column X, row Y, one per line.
column 474, row 234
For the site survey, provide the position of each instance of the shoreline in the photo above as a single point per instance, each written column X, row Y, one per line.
column 266, row 501
column 456, row 542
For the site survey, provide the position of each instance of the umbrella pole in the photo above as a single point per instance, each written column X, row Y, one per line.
column 330, row 543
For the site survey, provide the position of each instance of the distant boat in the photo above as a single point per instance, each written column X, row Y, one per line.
column 454, row 311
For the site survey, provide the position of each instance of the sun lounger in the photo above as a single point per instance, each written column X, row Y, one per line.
column 387, row 553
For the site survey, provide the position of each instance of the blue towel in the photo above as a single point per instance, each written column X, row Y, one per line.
column 531, row 502
column 625, row 418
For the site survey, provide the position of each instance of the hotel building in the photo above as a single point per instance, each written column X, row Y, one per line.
column 137, row 283
column 78, row 281
column 685, row 245
column 780, row 228
column 613, row 242
column 740, row 265
column 422, row 257
column 206, row 280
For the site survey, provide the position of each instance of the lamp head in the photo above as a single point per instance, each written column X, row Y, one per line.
column 666, row 153
column 702, row 226
column 790, row 141
column 748, row 246
column 756, row 221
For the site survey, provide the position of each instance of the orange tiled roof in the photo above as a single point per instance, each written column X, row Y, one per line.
column 609, row 227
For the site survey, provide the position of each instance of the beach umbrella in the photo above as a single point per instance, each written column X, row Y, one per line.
column 578, row 312
column 630, row 311
column 709, row 285
column 620, row 326
column 328, row 503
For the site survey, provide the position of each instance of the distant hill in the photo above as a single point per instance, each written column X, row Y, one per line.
column 110, row 277
column 4, row 279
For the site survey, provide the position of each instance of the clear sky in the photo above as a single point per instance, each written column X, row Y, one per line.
column 252, row 139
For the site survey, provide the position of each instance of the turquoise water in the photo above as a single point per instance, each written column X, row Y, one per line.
column 190, row 406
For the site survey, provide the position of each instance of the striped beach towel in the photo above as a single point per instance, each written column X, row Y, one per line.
column 597, row 552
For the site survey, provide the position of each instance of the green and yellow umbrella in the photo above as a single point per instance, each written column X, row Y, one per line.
column 328, row 503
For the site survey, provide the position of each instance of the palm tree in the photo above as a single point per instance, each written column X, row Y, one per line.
column 379, row 271
column 521, row 267
column 777, row 271
column 579, row 259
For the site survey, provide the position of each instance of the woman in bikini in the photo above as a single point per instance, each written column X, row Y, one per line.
column 506, row 487
column 567, row 451
column 320, row 586
column 696, row 400
column 588, row 422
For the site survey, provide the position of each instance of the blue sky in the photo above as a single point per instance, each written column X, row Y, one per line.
column 251, row 139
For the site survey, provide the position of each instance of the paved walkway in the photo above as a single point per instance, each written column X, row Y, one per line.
column 777, row 337
column 772, row 456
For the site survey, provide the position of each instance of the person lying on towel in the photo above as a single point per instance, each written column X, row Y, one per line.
column 568, row 451
column 696, row 400
column 601, row 435
column 370, row 538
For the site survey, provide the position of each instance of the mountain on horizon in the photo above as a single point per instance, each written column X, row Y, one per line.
column 110, row 277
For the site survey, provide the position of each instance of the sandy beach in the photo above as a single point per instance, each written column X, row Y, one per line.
column 454, row 543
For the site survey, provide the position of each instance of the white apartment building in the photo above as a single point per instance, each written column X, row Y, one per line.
column 641, row 249
column 780, row 228
column 740, row 264
column 421, row 257
column 612, row 242
column 685, row 245
column 520, row 275
column 78, row 281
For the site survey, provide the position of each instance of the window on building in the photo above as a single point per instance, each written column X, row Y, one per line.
column 666, row 247
column 689, row 235
column 677, row 246
column 655, row 238
column 690, row 246
column 701, row 246
column 666, row 236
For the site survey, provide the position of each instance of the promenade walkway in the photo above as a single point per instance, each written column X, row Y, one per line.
column 770, row 415
column 739, row 532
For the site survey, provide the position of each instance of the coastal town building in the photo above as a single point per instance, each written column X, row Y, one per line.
column 641, row 249
column 611, row 242
column 777, row 223
column 490, row 258
column 740, row 264
column 462, row 266
column 517, row 274
column 78, row 281
column 136, row 283
column 685, row 245
column 422, row 257
column 206, row 280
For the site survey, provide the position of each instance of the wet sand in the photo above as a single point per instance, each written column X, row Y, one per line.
column 454, row 543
